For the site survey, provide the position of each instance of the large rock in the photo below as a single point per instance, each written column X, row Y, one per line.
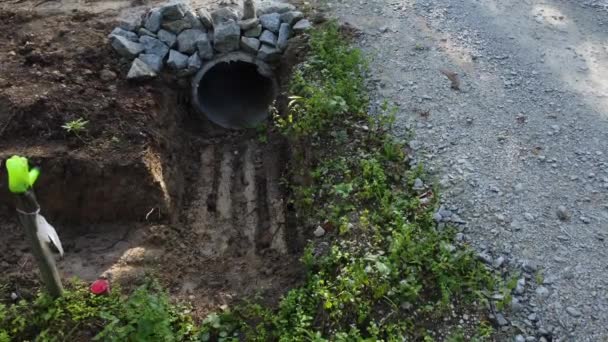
column 302, row 25
column 145, row 32
column 248, row 24
column 223, row 15
column 271, row 22
column 248, row 9
column 269, row 54
column 140, row 70
column 204, row 47
column 126, row 47
column 250, row 45
column 153, row 61
column 227, row 36
column 186, row 41
column 254, row 32
column 174, row 11
column 176, row 26
column 275, row 7
column 153, row 20
column 132, row 36
column 154, row 46
column 291, row 17
column 167, row 37
column 284, row 34
column 130, row 24
column 205, row 18
column 269, row 38
column 193, row 19
column 177, row 60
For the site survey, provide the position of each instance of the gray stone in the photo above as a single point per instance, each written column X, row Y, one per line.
column 186, row 41
column 205, row 18
column 177, row 26
column 194, row 64
column 126, row 47
column 204, row 47
column 498, row 262
column 140, row 70
column 153, row 20
column 501, row 320
column 542, row 292
column 271, row 22
column 269, row 53
column 227, row 36
column 154, row 46
column 248, row 24
column 302, row 25
column 418, row 184
column 269, row 38
column 131, row 24
column 107, row 75
column 254, row 32
column 437, row 217
column 291, row 17
column 284, row 35
column 520, row 338
column 562, row 213
column 174, row 11
column 153, row 61
column 248, row 9
column 573, row 312
column 521, row 286
column 277, row 7
column 167, row 37
column 250, row 45
column 223, row 15
column 485, row 257
column 177, row 60
column 132, row 36
column 193, row 19
column 319, row 232
column 144, row 32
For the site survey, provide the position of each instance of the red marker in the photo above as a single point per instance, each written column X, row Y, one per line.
column 100, row 287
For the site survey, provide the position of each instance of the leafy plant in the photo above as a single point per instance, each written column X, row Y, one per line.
column 76, row 127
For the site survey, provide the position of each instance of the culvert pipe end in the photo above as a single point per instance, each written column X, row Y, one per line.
column 234, row 91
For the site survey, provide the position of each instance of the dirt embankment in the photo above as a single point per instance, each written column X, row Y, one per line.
column 147, row 187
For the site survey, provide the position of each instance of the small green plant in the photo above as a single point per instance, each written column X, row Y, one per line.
column 76, row 127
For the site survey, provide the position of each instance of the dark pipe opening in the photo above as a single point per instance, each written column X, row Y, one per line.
column 235, row 91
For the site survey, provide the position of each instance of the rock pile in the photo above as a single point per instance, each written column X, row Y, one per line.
column 181, row 39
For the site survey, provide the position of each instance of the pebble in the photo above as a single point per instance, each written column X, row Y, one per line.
column 562, row 213
column 529, row 217
column 520, row 338
column 501, row 320
column 14, row 296
column 573, row 312
column 542, row 292
column 302, row 26
column 107, row 75
column 319, row 232
column 418, row 184
column 521, row 286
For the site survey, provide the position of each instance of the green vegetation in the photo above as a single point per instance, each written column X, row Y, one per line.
column 75, row 126
column 389, row 273
column 145, row 315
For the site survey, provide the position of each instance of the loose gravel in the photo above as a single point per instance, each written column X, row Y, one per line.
column 518, row 143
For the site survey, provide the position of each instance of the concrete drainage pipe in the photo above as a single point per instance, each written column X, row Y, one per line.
column 234, row 91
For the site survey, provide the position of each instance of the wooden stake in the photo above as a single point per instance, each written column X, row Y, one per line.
column 27, row 207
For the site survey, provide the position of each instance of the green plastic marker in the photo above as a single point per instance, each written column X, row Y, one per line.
column 20, row 177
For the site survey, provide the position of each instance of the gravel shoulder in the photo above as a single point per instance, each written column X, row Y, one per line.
column 521, row 149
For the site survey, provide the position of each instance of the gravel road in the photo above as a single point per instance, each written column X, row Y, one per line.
column 521, row 150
